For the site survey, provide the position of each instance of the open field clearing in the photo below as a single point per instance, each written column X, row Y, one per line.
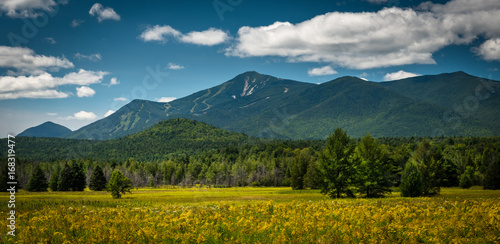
column 253, row 215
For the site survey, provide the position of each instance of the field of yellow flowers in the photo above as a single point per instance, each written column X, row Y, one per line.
column 253, row 215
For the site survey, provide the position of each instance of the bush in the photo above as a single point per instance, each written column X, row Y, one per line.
column 411, row 181
column 466, row 178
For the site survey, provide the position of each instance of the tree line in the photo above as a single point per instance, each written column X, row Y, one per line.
column 340, row 166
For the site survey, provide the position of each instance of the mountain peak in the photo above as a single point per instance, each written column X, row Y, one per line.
column 47, row 129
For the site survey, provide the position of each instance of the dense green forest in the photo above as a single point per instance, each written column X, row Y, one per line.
column 184, row 152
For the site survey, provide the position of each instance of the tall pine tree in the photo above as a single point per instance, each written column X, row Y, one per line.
column 38, row 181
column 97, row 180
column 336, row 165
column 54, row 180
column 374, row 169
column 65, row 179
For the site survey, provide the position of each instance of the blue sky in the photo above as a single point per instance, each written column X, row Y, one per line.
column 72, row 62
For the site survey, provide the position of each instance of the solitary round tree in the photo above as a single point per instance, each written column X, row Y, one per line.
column 37, row 182
column 97, row 180
column 119, row 184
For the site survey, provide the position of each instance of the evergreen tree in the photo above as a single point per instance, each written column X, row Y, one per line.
column 65, row 179
column 336, row 165
column 38, row 181
column 119, row 184
column 299, row 168
column 97, row 180
column 79, row 181
column 429, row 162
column 72, row 178
column 492, row 176
column 411, row 181
column 4, row 178
column 374, row 169
column 54, row 180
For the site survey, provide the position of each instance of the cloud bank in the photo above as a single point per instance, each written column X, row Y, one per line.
column 389, row 37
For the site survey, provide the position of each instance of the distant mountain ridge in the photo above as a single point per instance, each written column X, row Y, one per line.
column 170, row 138
column 265, row 106
column 47, row 129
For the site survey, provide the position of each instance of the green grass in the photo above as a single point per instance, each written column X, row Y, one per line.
column 196, row 195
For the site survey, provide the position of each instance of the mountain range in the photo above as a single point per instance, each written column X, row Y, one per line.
column 451, row 104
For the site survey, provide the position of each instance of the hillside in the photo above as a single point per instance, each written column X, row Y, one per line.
column 464, row 95
column 47, row 129
column 164, row 140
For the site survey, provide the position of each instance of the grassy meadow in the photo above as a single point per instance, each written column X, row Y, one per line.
column 252, row 215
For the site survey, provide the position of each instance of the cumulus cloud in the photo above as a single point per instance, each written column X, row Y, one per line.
column 110, row 112
column 82, row 115
column 174, row 66
column 389, row 37
column 26, row 8
column 326, row 70
column 103, row 13
column 120, row 99
column 114, row 81
column 490, row 50
column 26, row 61
column 84, row 91
column 159, row 33
column 165, row 99
column 92, row 57
column 208, row 37
column 45, row 85
column 399, row 75
column 52, row 114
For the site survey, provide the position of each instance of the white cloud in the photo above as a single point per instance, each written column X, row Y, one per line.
column 490, row 50
column 208, row 37
column 120, row 99
column 364, row 40
column 326, row 70
column 26, row 8
column 84, row 91
column 114, row 81
column 50, row 40
column 103, row 13
column 92, row 57
column 165, row 99
column 52, row 114
column 44, row 85
column 46, row 94
column 82, row 115
column 174, row 66
column 399, row 75
column 76, row 22
column 159, row 33
column 110, row 112
column 27, row 62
